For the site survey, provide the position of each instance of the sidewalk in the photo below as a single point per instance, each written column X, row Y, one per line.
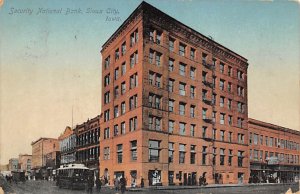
column 177, row 187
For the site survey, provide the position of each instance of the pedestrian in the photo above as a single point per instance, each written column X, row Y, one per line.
column 98, row 184
column 142, row 182
column 123, row 185
column 116, row 183
column 90, row 184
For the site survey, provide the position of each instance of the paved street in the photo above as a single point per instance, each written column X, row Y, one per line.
column 40, row 187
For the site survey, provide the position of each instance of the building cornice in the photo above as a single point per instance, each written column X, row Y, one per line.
column 272, row 126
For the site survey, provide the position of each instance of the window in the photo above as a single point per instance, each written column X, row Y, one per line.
column 120, row 153
column 230, row 120
column 123, row 88
column 133, row 123
column 214, row 133
column 182, row 89
column 239, row 107
column 192, row 91
column 222, row 67
column 123, row 68
column 154, row 149
column 222, row 84
column 214, row 113
column 133, row 59
column 261, row 140
column 155, row 55
column 266, row 139
column 158, row 37
column 230, row 137
column 192, row 130
column 271, row 142
column 134, row 37
column 240, row 91
column 133, row 102
column 154, row 101
column 192, row 111
column 193, row 72
column 204, row 129
column 171, row 85
column 107, row 80
column 222, row 156
column 171, row 152
column 116, row 73
column 204, row 94
column 171, row 126
column 106, row 133
column 222, row 118
column 240, row 158
column 204, row 76
column 133, row 80
column 181, row 153
column 181, row 108
column 117, row 54
column 204, row 56
column 230, row 155
column 229, row 86
column 229, row 103
column 241, row 138
column 171, row 105
column 123, row 48
column 204, row 154
column 116, row 91
column 222, row 100
column 116, row 130
column 240, row 122
column 229, row 71
column 204, row 111
column 123, row 108
column 106, row 115
column 154, row 123
column 123, row 128
column 182, row 68
column 214, row 82
column 116, row 111
column 240, row 75
column 182, row 128
column 181, row 49
column 106, row 153
column 255, row 138
column 155, row 79
column 192, row 54
column 171, row 64
column 107, row 62
column 193, row 154
column 133, row 150
column 106, row 97
column 171, row 44
column 222, row 135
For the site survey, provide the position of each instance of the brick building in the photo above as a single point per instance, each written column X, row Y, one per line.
column 174, row 104
column 25, row 163
column 41, row 149
column 67, row 146
column 274, row 152
column 87, row 143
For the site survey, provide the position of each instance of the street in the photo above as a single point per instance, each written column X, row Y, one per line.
column 40, row 187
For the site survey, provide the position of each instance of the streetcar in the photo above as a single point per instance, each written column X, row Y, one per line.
column 72, row 176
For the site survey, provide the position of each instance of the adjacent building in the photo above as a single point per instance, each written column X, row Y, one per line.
column 44, row 153
column 87, row 143
column 174, row 104
column 274, row 153
column 25, row 163
column 13, row 164
column 67, row 146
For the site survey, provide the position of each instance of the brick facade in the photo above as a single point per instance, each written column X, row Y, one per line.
column 170, row 124
column 274, row 152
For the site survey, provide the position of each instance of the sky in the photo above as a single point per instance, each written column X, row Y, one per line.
column 50, row 63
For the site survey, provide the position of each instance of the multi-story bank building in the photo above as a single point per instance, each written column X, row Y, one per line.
column 174, row 105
